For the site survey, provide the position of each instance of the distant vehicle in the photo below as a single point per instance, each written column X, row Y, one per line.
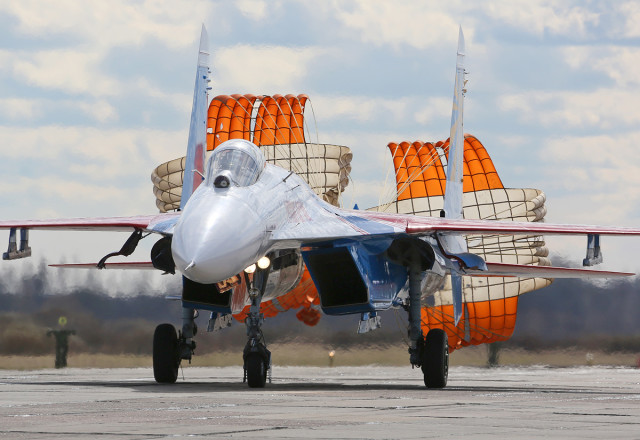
column 247, row 229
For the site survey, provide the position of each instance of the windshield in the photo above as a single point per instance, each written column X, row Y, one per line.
column 242, row 159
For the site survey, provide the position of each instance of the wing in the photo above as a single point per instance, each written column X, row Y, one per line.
column 420, row 225
column 356, row 224
column 161, row 224
column 367, row 225
column 158, row 223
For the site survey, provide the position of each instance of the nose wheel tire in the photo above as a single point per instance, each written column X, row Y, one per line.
column 256, row 370
column 435, row 364
column 166, row 355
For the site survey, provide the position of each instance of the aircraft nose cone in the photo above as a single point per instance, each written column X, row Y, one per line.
column 217, row 239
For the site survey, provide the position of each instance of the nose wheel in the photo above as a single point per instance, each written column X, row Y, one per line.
column 257, row 364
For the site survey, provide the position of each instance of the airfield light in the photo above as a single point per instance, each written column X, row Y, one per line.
column 264, row 262
column 250, row 269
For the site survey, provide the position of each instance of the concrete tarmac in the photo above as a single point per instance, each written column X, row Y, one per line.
column 324, row 403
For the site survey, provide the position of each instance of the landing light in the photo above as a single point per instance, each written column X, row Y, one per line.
column 264, row 262
column 250, row 269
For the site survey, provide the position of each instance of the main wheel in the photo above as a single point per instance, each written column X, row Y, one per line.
column 166, row 358
column 435, row 364
column 256, row 370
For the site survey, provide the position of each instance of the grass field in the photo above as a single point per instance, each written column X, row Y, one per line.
column 310, row 355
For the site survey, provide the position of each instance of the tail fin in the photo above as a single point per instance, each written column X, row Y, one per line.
column 456, row 244
column 453, row 190
column 197, row 144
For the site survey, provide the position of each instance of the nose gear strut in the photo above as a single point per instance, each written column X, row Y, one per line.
column 257, row 359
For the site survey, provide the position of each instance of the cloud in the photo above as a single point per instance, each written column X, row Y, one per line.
column 263, row 69
column 621, row 64
column 17, row 109
column 182, row 101
column 557, row 17
column 65, row 190
column 253, row 9
column 416, row 24
column 604, row 108
column 593, row 178
column 33, row 109
column 96, row 23
column 99, row 155
column 369, row 110
column 100, row 110
column 630, row 13
column 68, row 70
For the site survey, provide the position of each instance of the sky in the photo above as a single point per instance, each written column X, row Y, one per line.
column 95, row 94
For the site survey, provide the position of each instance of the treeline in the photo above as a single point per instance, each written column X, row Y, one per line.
column 569, row 313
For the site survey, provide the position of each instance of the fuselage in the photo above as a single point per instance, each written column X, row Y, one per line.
column 230, row 223
column 223, row 230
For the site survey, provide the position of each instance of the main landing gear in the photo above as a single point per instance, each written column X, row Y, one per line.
column 430, row 353
column 170, row 348
column 435, row 359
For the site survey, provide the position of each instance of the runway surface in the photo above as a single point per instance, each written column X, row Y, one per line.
column 325, row 403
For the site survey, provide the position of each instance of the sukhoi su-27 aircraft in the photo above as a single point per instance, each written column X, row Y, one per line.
column 247, row 228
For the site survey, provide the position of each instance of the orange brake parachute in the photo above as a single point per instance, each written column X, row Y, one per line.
column 490, row 303
column 277, row 125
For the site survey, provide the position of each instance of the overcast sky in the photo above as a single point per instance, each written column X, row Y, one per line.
column 95, row 94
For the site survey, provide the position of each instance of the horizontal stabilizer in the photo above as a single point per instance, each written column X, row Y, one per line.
column 520, row 270
column 140, row 265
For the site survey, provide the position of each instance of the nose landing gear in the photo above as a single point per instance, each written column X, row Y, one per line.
column 257, row 359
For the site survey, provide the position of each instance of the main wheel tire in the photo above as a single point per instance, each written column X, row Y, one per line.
column 256, row 370
column 166, row 359
column 435, row 364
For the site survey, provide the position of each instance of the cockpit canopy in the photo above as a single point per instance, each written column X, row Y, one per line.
column 238, row 160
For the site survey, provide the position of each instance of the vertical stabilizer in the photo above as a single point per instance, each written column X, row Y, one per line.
column 197, row 144
column 456, row 244
column 453, row 190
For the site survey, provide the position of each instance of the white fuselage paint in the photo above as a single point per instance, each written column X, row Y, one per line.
column 222, row 231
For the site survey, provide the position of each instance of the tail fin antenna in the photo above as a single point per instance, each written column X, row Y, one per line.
column 197, row 144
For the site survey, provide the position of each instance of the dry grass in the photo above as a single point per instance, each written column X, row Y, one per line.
column 310, row 355
column 83, row 360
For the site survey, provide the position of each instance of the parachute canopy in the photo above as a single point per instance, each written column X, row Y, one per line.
column 489, row 312
column 277, row 125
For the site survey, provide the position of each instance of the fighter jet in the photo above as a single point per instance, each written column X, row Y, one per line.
column 246, row 230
